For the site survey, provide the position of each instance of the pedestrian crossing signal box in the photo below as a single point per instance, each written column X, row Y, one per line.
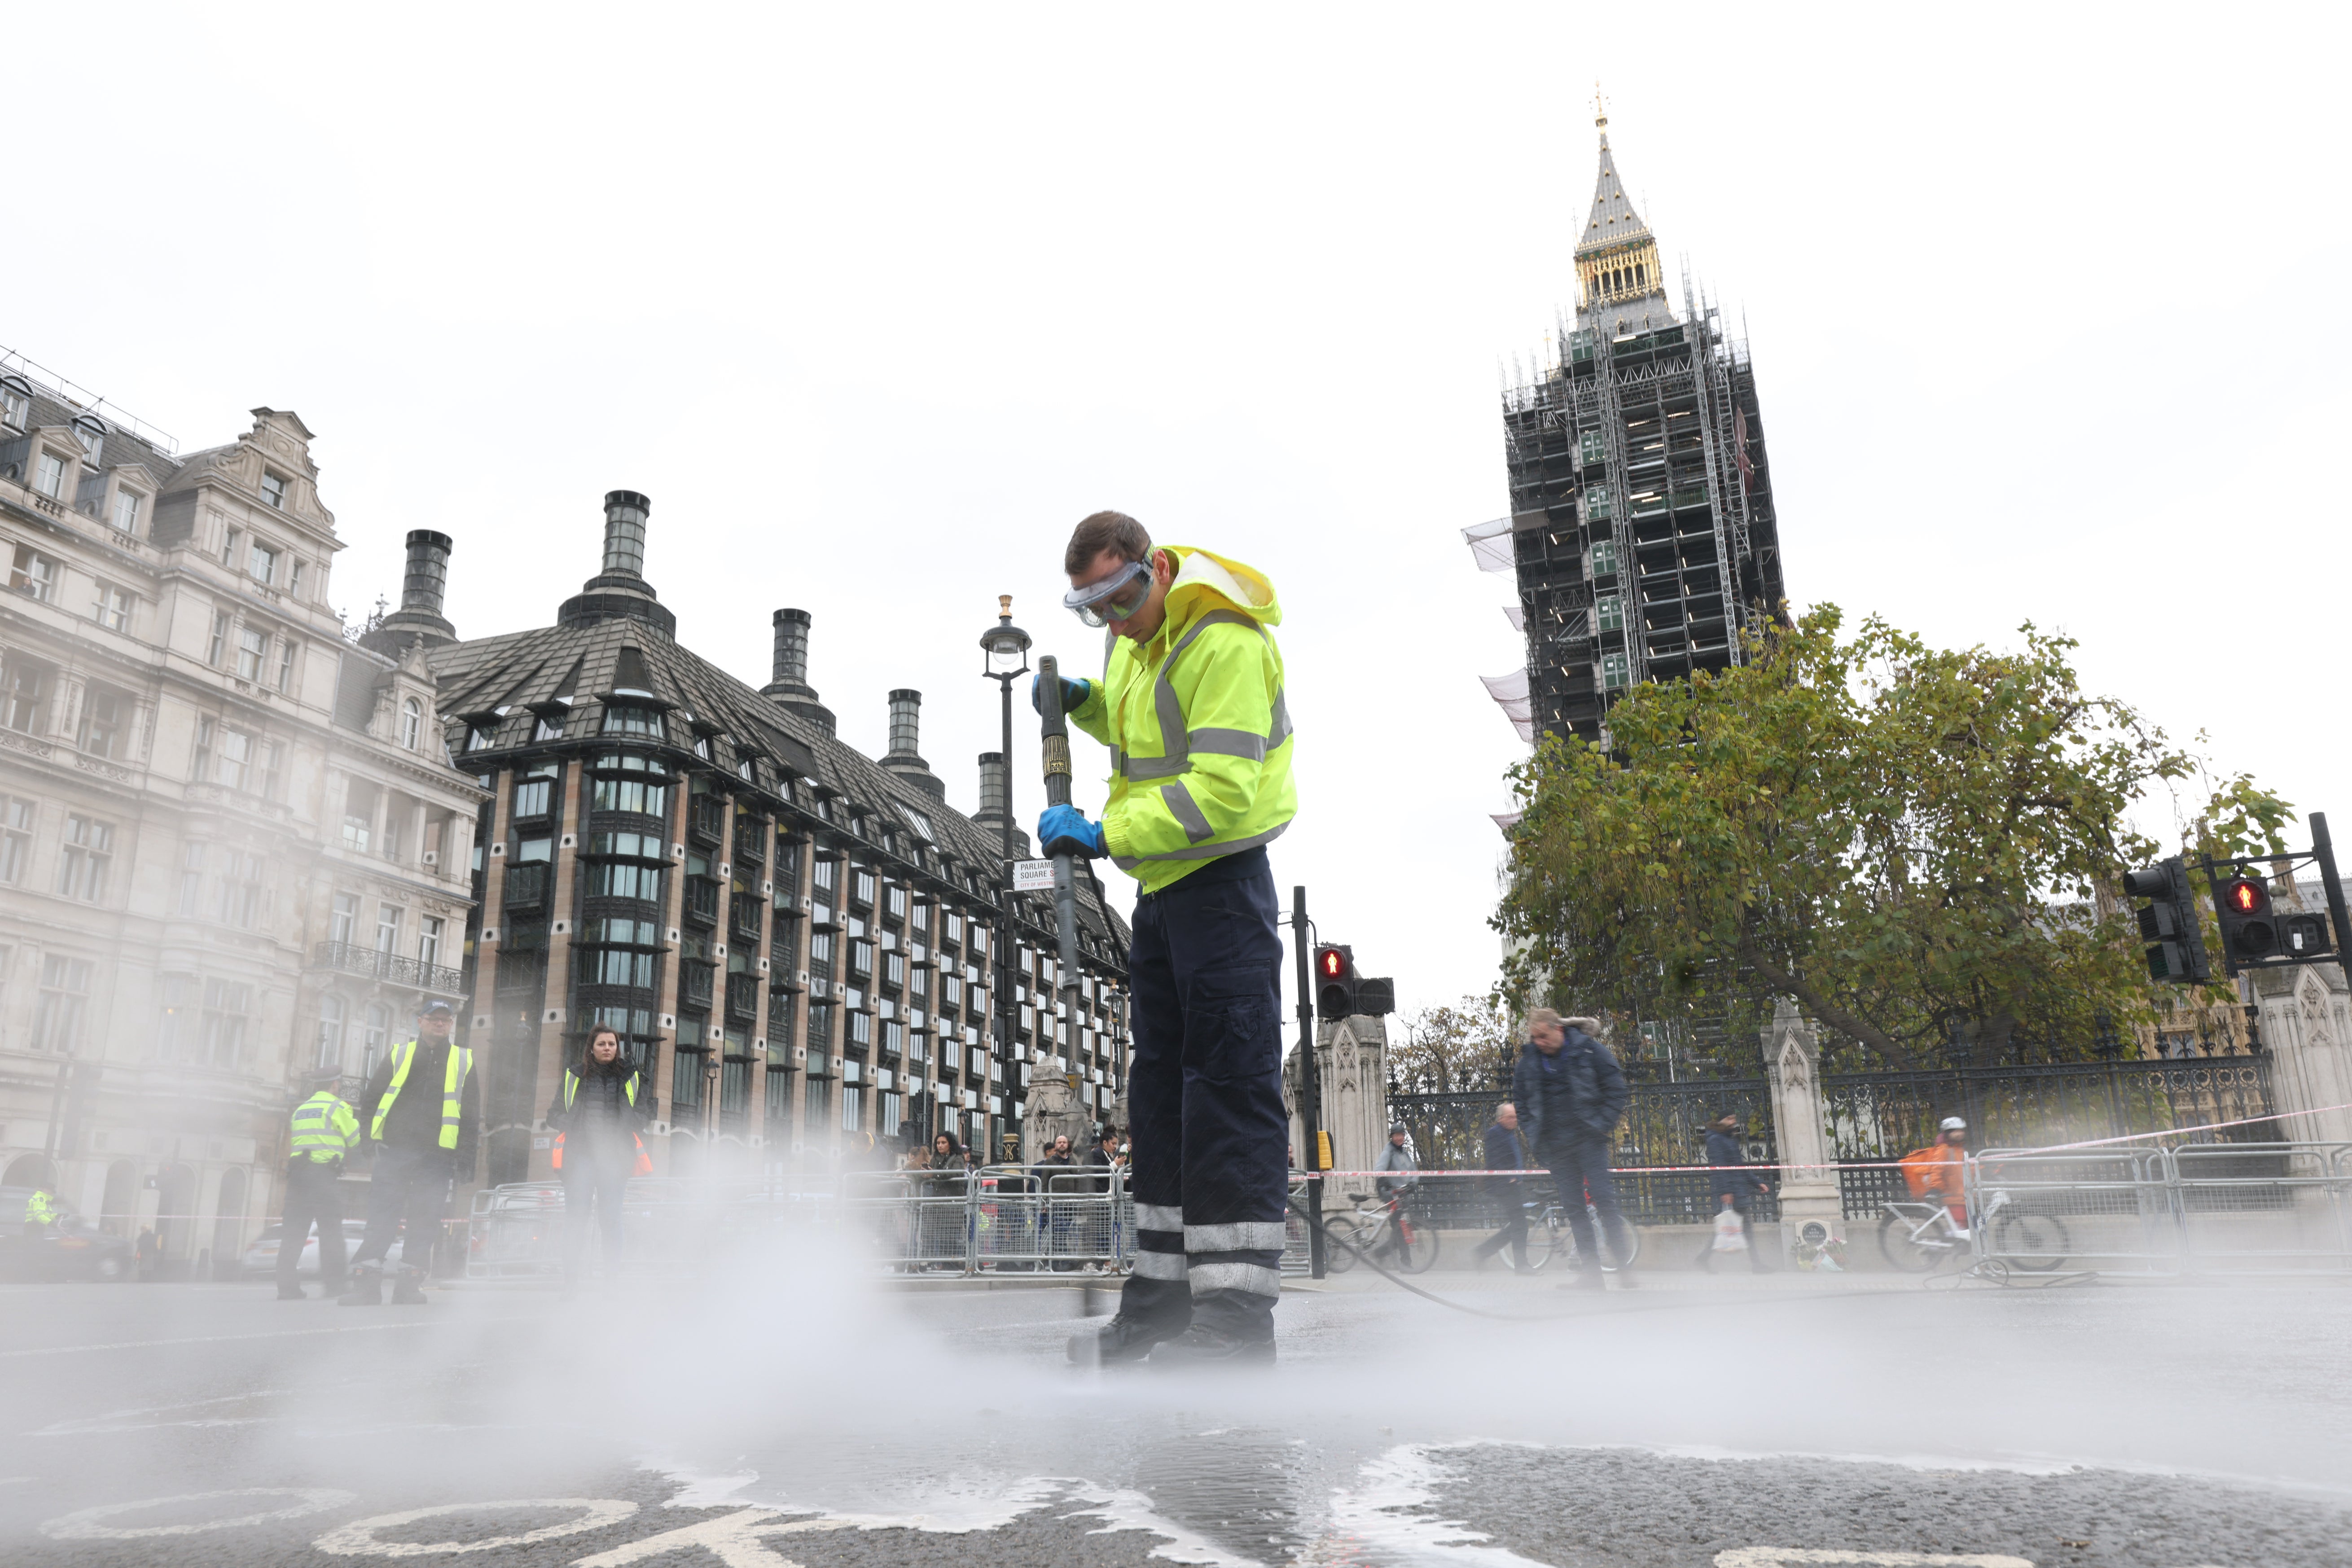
column 1340, row 992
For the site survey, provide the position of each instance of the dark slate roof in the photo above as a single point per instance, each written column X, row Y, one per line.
column 510, row 682
column 120, row 449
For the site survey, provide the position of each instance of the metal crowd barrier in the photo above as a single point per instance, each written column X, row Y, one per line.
column 2199, row 1209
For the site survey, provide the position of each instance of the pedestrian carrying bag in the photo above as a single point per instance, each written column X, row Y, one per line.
column 1730, row 1236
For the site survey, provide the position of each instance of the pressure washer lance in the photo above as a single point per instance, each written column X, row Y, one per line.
column 1057, row 794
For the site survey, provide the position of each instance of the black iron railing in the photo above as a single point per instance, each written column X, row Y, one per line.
column 353, row 959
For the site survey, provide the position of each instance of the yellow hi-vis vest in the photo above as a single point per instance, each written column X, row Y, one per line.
column 324, row 1128
column 461, row 1062
column 571, row 1086
column 1197, row 724
column 40, row 1210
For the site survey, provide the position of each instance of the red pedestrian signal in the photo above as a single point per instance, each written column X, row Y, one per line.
column 2247, row 897
column 2248, row 931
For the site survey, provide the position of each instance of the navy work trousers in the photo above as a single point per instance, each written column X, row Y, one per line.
column 1579, row 1169
column 1205, row 1099
column 595, row 1178
column 311, row 1198
column 408, row 1190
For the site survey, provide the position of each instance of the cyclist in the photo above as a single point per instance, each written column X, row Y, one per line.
column 1397, row 1159
column 1934, row 1172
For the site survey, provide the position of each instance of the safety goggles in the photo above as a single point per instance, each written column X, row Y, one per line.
column 1115, row 598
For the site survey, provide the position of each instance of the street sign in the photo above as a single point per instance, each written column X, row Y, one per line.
column 1032, row 876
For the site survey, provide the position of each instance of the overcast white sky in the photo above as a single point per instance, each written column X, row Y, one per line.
column 875, row 303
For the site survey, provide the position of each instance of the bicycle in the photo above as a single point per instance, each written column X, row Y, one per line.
column 1916, row 1237
column 1550, row 1235
column 1414, row 1244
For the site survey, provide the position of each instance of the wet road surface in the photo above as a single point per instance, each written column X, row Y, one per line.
column 761, row 1419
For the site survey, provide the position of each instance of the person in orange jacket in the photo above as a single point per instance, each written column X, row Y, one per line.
column 602, row 1102
column 1936, row 1170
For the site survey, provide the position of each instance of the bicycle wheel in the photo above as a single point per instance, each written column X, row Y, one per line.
column 1545, row 1240
column 1416, row 1246
column 1896, row 1240
column 1608, row 1248
column 1339, row 1231
column 2036, row 1243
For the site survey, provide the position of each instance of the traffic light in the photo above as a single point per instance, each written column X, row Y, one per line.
column 2168, row 925
column 1340, row 992
column 2249, row 933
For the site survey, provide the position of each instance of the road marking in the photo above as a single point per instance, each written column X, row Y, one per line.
column 734, row 1539
column 358, row 1539
column 1780, row 1556
column 230, row 1338
column 85, row 1525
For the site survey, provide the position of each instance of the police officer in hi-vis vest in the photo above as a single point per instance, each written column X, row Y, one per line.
column 323, row 1131
column 423, row 1112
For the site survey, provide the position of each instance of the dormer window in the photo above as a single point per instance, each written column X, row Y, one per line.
column 745, row 771
column 92, row 432
column 273, row 490
column 49, row 474
column 126, row 511
column 15, row 402
column 411, row 724
column 702, row 747
column 620, row 719
column 477, row 738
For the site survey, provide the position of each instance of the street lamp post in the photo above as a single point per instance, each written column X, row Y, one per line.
column 1007, row 649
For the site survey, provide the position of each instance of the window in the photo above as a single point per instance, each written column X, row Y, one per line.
column 429, row 941
column 273, row 490
column 216, row 646
column 620, row 967
column 261, row 562
column 226, row 1005
column 16, row 403
column 111, row 608
column 850, row 1109
column 328, row 1051
column 244, row 898
column 252, row 653
column 126, row 511
column 91, row 433
column 65, row 996
column 294, row 578
column 228, row 548
column 745, row 771
column 411, row 724
column 479, row 737
column 394, row 815
column 88, row 854
column 620, row 879
column 191, row 880
column 104, row 712
column 702, row 747
column 345, row 922
column 15, row 838
column 638, row 795
column 387, row 927
column 376, row 1036
column 644, row 721
column 898, row 902
column 549, row 728
column 49, row 474
column 535, row 791
column 232, row 758
column 359, row 816
column 273, row 769
column 35, row 575
column 289, row 652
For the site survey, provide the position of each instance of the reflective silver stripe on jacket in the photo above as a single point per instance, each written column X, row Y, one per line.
column 1211, row 739
column 1204, row 851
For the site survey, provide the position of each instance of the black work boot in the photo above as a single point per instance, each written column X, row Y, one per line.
column 1228, row 1328
column 405, row 1293
column 1126, row 1338
column 367, row 1287
column 290, row 1292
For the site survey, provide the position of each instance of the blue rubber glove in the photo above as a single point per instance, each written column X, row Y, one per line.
column 1074, row 695
column 1064, row 830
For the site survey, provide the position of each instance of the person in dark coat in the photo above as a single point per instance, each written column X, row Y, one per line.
column 1570, row 1094
column 422, row 1113
column 1733, row 1190
column 1505, row 1150
column 599, row 1106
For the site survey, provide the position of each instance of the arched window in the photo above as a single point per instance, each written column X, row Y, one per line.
column 411, row 724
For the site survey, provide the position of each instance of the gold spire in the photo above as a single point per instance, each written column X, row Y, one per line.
column 1617, row 258
column 1599, row 107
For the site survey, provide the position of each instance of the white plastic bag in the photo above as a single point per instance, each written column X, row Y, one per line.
column 1730, row 1236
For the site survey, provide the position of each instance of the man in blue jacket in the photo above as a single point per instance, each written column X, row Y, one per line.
column 1570, row 1094
column 1505, row 1150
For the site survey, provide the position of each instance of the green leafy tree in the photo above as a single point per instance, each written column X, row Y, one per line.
column 1920, row 844
column 1451, row 1049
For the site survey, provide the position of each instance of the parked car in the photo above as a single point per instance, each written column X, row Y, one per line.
column 72, row 1249
column 261, row 1258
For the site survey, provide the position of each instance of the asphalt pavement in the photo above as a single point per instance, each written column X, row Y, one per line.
column 762, row 1417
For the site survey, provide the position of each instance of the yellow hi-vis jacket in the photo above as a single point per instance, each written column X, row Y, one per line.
column 324, row 1128
column 40, row 1210
column 461, row 1062
column 1198, row 731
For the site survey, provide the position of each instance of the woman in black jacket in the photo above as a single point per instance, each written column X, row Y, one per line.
column 598, row 1109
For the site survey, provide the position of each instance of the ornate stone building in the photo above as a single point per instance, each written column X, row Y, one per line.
column 796, row 941
column 232, row 847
